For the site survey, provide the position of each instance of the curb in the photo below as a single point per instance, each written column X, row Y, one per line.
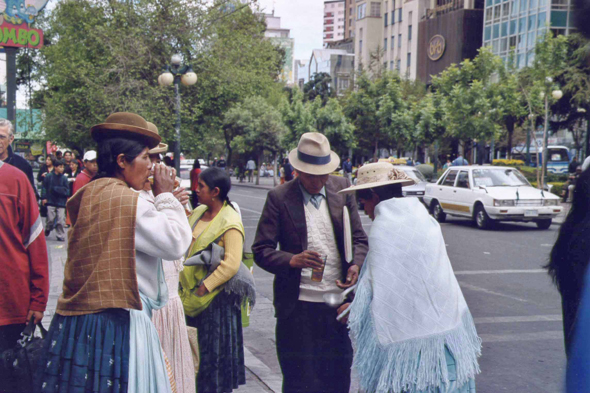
column 264, row 375
column 245, row 185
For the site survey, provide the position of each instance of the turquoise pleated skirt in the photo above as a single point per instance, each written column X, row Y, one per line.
column 86, row 354
column 468, row 387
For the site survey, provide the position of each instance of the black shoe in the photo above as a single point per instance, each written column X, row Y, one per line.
column 47, row 232
column 61, row 239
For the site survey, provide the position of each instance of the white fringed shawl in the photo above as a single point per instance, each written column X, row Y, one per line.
column 408, row 306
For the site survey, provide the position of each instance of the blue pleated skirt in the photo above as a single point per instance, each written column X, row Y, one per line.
column 86, row 353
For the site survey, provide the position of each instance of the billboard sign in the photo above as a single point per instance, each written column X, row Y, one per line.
column 15, row 23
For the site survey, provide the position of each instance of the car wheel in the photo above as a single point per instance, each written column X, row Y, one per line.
column 544, row 224
column 482, row 220
column 438, row 213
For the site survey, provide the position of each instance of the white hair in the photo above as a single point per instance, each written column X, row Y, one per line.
column 7, row 123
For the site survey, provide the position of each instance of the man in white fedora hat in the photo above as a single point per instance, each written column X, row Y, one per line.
column 304, row 217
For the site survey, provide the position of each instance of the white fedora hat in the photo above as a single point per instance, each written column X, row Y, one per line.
column 377, row 175
column 313, row 155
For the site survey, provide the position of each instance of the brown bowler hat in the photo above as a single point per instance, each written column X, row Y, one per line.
column 126, row 124
column 162, row 147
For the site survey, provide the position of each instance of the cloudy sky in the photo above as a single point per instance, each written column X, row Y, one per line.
column 304, row 18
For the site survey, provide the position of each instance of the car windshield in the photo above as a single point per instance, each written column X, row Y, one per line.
column 185, row 173
column 415, row 174
column 498, row 177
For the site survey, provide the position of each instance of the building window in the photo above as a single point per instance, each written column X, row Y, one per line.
column 505, row 10
column 399, row 15
column 399, row 41
column 375, row 9
column 393, row 17
column 398, row 65
column 361, row 11
column 385, row 19
column 385, row 43
column 410, row 33
column 392, row 41
column 391, row 65
column 409, row 61
column 360, row 46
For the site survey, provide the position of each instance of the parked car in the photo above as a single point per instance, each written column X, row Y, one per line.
column 489, row 195
column 418, row 189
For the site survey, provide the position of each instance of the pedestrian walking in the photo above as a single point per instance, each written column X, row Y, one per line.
column 304, row 218
column 195, row 172
column 288, row 170
column 169, row 320
column 212, row 298
column 251, row 167
column 569, row 256
column 46, row 168
column 113, row 276
column 403, row 336
column 8, row 156
column 347, row 167
column 24, row 269
column 573, row 165
column 221, row 163
column 88, row 173
column 55, row 194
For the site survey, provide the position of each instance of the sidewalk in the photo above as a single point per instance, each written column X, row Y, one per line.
column 259, row 377
column 265, row 183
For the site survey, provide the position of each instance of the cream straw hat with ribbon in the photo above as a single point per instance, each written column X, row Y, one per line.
column 313, row 155
column 377, row 175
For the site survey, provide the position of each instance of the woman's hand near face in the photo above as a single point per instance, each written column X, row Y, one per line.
column 163, row 179
column 182, row 195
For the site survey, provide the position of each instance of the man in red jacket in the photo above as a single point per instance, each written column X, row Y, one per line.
column 24, row 267
column 90, row 169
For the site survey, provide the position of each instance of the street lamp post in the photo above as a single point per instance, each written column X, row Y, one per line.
column 556, row 94
column 175, row 73
column 528, row 140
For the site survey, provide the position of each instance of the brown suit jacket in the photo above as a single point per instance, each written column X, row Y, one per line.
column 283, row 224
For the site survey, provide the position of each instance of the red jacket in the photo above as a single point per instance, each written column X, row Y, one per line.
column 82, row 179
column 24, row 267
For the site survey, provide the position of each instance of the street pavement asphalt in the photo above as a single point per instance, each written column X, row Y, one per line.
column 515, row 306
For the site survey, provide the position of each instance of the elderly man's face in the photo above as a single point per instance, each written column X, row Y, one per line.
column 313, row 183
column 5, row 140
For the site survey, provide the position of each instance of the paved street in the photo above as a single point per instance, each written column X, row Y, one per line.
column 516, row 309
column 515, row 306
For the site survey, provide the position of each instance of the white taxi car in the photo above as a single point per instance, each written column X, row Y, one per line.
column 488, row 194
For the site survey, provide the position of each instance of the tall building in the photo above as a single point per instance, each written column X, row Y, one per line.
column 517, row 24
column 336, row 62
column 349, row 18
column 449, row 34
column 400, row 35
column 301, row 73
column 334, row 21
column 281, row 37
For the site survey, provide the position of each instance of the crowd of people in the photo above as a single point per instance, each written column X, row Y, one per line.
column 152, row 290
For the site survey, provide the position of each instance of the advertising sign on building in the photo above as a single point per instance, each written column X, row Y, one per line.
column 15, row 23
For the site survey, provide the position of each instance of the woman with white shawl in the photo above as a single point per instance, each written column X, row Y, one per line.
column 410, row 325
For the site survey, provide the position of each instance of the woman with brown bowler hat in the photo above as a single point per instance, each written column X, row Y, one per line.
column 101, row 338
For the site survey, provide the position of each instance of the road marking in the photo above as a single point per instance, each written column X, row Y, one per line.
column 521, row 318
column 250, row 210
column 490, row 292
column 486, row 253
column 507, row 271
column 546, row 245
column 247, row 196
column 540, row 336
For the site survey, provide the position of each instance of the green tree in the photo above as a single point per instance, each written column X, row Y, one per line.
column 319, row 85
column 257, row 126
column 106, row 56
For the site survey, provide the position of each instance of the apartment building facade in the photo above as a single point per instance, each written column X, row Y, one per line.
column 516, row 25
column 349, row 17
column 281, row 37
column 334, row 21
